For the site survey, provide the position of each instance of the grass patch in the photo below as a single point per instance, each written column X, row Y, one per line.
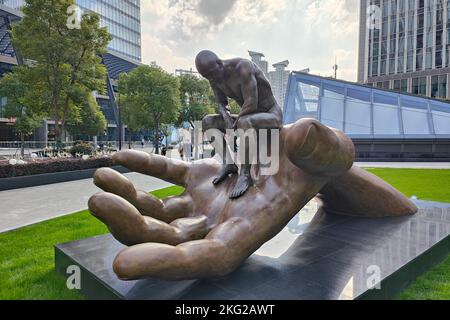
column 434, row 285
column 426, row 184
column 27, row 256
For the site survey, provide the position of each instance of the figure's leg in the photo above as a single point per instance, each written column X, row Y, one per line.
column 257, row 121
column 217, row 122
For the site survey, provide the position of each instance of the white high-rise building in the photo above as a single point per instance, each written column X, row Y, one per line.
column 279, row 80
column 257, row 58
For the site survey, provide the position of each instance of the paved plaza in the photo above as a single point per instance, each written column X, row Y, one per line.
column 22, row 207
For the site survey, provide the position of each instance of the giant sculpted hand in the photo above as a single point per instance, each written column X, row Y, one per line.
column 204, row 234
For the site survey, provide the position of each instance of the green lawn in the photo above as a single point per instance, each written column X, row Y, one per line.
column 27, row 256
column 426, row 185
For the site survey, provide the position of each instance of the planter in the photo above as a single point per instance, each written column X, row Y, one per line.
column 50, row 178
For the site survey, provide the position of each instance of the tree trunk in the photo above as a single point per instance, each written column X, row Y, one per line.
column 129, row 139
column 157, row 139
column 22, row 145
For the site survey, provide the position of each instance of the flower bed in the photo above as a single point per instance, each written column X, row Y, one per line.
column 53, row 165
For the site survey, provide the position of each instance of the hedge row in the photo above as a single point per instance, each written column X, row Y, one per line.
column 52, row 165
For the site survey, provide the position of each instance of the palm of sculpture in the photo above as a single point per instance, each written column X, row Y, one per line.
column 203, row 234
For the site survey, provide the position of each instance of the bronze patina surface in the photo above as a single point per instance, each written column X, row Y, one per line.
column 205, row 234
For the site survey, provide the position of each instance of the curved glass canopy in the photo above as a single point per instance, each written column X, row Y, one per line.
column 365, row 112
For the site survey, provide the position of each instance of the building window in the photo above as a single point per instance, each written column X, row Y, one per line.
column 385, row 84
column 439, row 86
column 404, row 85
column 419, row 86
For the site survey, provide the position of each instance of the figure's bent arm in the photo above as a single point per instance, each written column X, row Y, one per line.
column 249, row 89
column 222, row 106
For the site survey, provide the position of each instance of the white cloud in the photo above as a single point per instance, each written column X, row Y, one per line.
column 189, row 18
column 307, row 32
column 336, row 17
column 155, row 50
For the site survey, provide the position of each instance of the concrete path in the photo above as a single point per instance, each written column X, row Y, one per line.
column 22, row 207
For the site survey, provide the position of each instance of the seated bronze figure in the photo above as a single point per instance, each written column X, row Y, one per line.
column 205, row 234
column 243, row 81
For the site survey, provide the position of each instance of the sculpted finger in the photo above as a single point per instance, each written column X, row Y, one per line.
column 112, row 181
column 129, row 227
column 221, row 252
column 170, row 170
column 319, row 149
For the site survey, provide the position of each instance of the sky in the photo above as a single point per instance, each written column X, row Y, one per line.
column 308, row 33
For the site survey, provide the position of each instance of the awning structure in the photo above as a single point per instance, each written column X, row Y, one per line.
column 365, row 112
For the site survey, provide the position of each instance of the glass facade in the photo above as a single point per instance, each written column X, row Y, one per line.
column 413, row 37
column 121, row 17
column 365, row 112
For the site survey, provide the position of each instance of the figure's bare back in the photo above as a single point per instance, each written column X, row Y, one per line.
column 232, row 86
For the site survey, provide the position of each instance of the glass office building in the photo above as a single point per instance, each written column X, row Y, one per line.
column 121, row 17
column 405, row 46
column 383, row 123
column 119, row 59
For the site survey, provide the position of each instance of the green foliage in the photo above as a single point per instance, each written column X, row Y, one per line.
column 149, row 97
column 66, row 62
column 90, row 120
column 27, row 266
column 28, row 115
column 195, row 98
column 82, row 148
column 234, row 107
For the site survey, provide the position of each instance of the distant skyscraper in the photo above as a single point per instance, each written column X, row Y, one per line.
column 122, row 18
column 279, row 79
column 405, row 46
column 257, row 58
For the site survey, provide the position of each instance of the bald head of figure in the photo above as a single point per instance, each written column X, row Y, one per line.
column 209, row 65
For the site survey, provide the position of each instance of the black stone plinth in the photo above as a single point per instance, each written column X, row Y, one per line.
column 317, row 256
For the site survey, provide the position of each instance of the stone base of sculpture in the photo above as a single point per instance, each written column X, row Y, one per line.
column 316, row 256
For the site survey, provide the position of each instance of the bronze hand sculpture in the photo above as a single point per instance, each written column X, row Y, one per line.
column 203, row 234
column 242, row 81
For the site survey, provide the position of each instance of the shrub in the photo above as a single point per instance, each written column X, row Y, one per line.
column 53, row 165
column 82, row 148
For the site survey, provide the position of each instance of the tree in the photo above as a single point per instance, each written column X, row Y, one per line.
column 195, row 98
column 149, row 97
column 89, row 121
column 66, row 61
column 165, row 130
column 28, row 116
